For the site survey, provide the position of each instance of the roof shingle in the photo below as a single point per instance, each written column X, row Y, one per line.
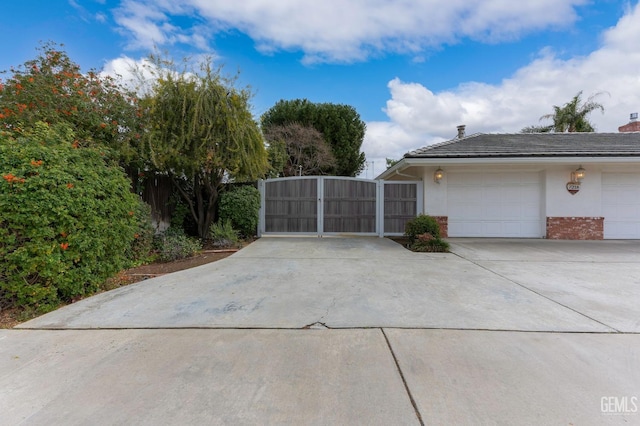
column 484, row 145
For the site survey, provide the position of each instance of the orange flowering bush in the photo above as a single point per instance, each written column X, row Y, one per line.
column 52, row 88
column 65, row 225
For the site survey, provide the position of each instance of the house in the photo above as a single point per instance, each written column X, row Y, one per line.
column 582, row 186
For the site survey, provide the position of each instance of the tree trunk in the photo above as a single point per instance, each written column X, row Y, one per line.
column 206, row 197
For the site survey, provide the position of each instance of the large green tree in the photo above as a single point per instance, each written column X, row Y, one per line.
column 340, row 125
column 200, row 132
column 571, row 117
column 51, row 88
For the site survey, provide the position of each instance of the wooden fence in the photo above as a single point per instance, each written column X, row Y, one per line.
column 330, row 205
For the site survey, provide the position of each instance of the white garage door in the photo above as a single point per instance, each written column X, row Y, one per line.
column 494, row 205
column 621, row 205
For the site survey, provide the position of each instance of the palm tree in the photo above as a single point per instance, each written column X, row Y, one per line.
column 572, row 117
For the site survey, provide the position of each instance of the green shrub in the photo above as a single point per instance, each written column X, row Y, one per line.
column 241, row 206
column 66, row 218
column 174, row 244
column 435, row 245
column 180, row 212
column 424, row 235
column 422, row 224
column 223, row 235
column 142, row 246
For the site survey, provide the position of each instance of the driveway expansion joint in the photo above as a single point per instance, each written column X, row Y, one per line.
column 537, row 293
column 404, row 381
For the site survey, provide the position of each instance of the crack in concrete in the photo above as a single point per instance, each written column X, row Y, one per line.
column 331, row 305
column 316, row 326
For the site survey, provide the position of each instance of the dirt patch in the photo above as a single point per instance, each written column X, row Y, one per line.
column 402, row 240
column 9, row 318
column 155, row 269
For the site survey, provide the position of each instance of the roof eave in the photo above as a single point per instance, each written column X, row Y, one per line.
column 521, row 159
column 401, row 165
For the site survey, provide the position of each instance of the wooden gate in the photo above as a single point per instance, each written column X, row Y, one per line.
column 332, row 205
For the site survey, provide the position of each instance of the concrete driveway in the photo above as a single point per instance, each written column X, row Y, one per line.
column 498, row 331
column 532, row 285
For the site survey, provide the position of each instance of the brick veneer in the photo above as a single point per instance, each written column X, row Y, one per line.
column 633, row 126
column 575, row 228
column 443, row 221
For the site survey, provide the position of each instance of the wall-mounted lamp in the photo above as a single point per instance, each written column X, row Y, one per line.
column 578, row 175
column 438, row 175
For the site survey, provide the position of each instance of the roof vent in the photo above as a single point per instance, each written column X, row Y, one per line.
column 462, row 127
column 633, row 116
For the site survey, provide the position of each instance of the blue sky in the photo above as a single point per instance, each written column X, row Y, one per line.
column 413, row 69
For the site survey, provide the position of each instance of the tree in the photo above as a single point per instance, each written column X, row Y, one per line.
column 340, row 125
column 278, row 158
column 536, row 129
column 572, row 117
column 307, row 153
column 201, row 132
column 391, row 162
column 52, row 89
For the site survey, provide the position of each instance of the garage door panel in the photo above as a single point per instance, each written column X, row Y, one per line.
column 528, row 193
column 467, row 195
column 512, row 229
column 621, row 205
column 463, row 213
column 492, row 228
column 531, row 227
column 494, row 205
column 493, row 212
column 617, row 179
column 501, row 212
column 532, row 178
column 511, row 193
column 624, row 214
column 492, row 179
column 622, row 230
column 466, row 228
column 531, row 217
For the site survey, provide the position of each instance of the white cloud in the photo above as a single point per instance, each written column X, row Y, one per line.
column 355, row 30
column 419, row 117
column 148, row 25
column 343, row 30
column 137, row 75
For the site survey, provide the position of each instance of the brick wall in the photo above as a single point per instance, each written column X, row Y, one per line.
column 443, row 221
column 575, row 228
column 633, row 126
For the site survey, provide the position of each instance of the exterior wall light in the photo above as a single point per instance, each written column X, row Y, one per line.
column 438, row 175
column 578, row 175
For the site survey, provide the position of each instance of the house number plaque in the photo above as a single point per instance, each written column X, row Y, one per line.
column 573, row 187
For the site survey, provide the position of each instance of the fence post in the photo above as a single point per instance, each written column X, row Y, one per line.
column 320, row 206
column 380, row 208
column 261, row 217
